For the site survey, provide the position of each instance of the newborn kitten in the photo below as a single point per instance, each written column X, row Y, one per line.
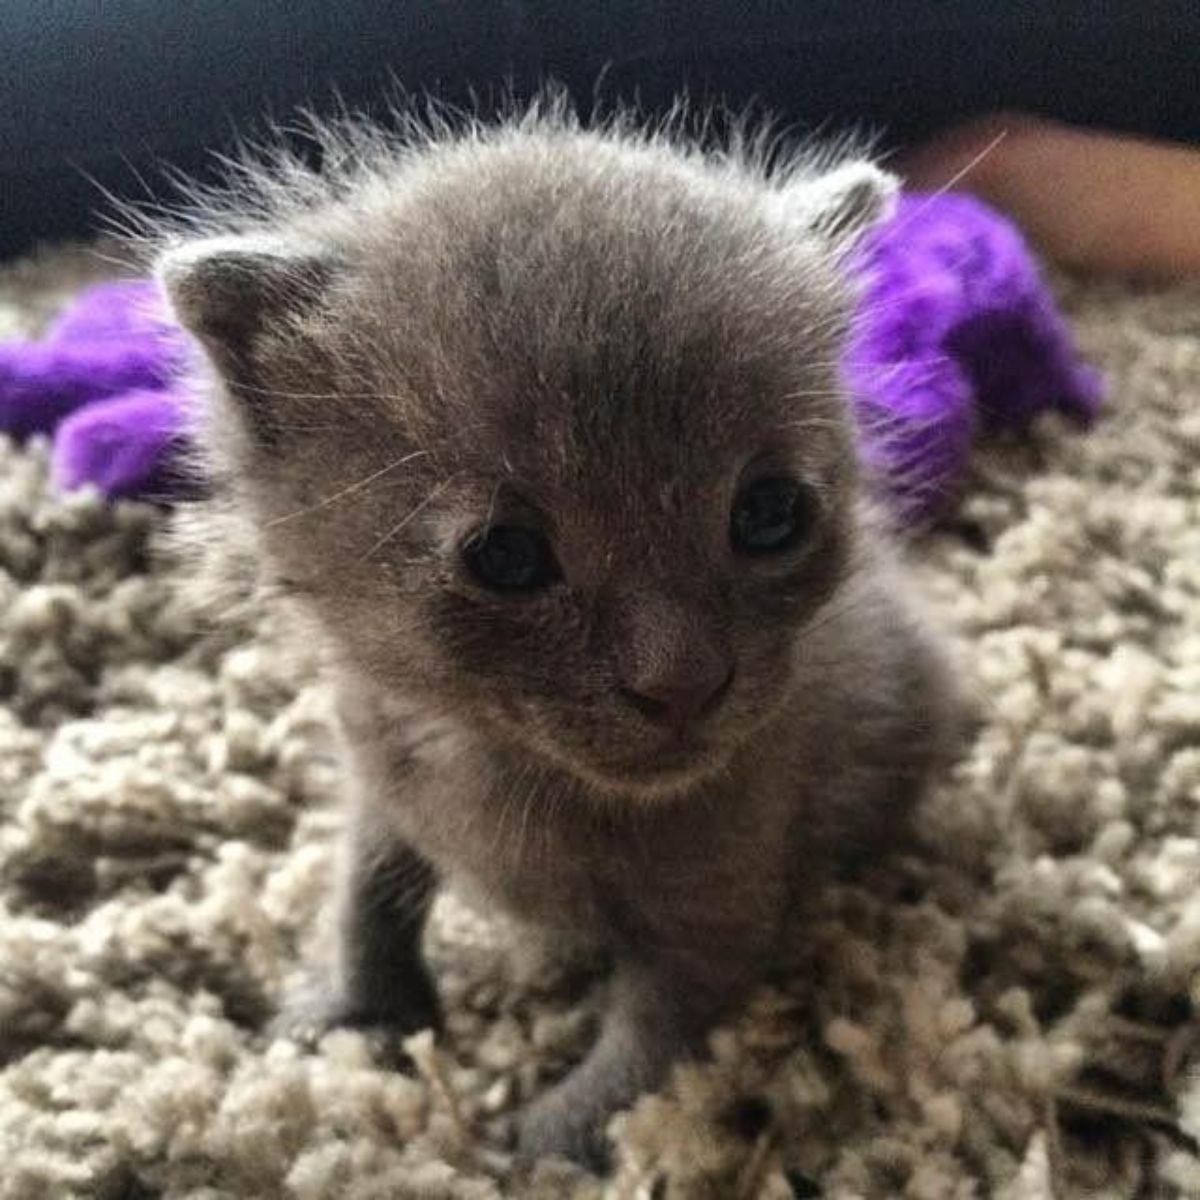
column 543, row 428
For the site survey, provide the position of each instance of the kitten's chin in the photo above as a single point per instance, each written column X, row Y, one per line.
column 654, row 776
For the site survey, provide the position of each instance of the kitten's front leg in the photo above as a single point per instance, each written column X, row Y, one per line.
column 378, row 978
column 656, row 1016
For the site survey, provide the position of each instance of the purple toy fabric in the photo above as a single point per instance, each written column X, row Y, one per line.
column 132, row 312
column 126, row 445
column 42, row 384
column 955, row 336
column 102, row 381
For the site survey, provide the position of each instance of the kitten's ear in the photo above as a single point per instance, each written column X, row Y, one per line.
column 227, row 290
column 841, row 205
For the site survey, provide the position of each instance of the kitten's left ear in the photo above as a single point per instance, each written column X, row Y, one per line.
column 227, row 290
column 841, row 205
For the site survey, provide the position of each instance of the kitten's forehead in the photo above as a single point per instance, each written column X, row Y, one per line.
column 567, row 319
column 579, row 427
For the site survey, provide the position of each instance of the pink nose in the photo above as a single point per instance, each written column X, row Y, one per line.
column 674, row 664
column 678, row 698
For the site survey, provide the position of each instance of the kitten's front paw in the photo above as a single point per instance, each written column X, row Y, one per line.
column 315, row 1009
column 561, row 1124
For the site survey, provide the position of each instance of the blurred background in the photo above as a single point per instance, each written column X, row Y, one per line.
column 103, row 95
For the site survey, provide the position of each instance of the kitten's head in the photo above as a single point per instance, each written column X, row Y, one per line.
column 545, row 427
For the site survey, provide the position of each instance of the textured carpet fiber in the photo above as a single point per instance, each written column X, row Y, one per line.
column 1009, row 1013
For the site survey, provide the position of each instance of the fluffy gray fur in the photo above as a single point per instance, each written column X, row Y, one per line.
column 602, row 336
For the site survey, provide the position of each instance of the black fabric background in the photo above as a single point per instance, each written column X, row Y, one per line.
column 105, row 92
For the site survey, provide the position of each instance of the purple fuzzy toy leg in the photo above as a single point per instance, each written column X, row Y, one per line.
column 1022, row 363
column 125, row 446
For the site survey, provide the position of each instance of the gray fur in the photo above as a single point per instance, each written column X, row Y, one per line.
column 597, row 333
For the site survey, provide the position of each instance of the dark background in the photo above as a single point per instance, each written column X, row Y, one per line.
column 101, row 94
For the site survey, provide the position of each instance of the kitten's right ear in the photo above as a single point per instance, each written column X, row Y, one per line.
column 840, row 205
column 227, row 290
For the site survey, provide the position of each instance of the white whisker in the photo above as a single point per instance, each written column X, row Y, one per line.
column 408, row 518
column 350, row 489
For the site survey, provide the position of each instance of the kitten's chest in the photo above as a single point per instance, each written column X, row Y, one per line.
column 504, row 850
column 688, row 873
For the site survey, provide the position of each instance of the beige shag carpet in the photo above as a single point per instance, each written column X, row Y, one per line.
column 1009, row 1014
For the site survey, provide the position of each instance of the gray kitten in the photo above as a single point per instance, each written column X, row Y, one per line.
column 543, row 429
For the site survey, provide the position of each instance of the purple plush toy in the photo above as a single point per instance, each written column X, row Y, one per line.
column 955, row 335
column 102, row 381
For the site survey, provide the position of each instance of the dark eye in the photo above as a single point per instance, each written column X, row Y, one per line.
column 771, row 515
column 510, row 558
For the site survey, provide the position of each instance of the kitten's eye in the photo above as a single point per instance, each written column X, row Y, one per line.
column 771, row 515
column 510, row 558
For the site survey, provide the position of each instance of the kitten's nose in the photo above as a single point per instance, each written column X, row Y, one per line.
column 672, row 668
column 678, row 702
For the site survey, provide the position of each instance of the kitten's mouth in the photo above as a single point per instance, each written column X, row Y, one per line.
column 667, row 768
column 664, row 771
